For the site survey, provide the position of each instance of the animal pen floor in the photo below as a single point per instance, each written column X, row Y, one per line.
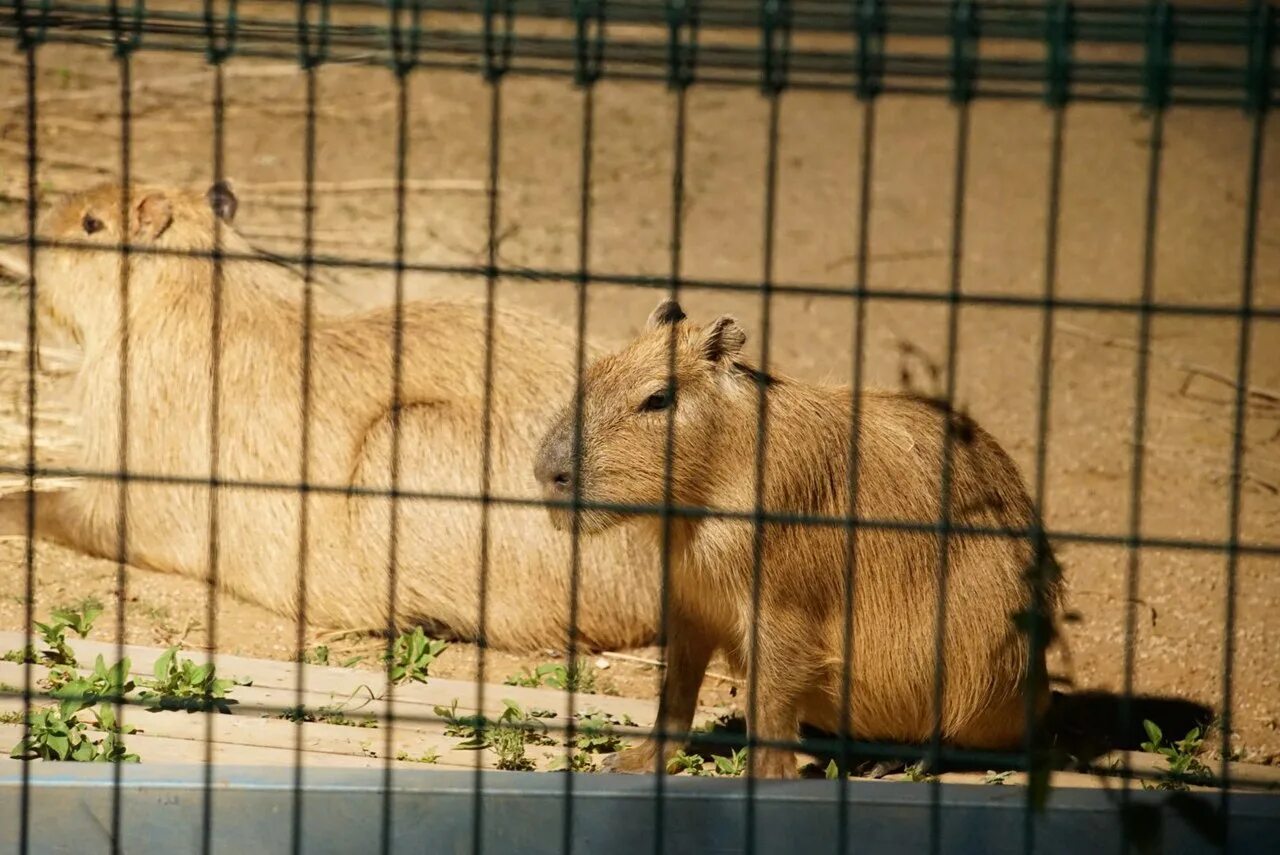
column 1181, row 592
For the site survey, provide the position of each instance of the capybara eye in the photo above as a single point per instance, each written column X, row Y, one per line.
column 91, row 224
column 657, row 401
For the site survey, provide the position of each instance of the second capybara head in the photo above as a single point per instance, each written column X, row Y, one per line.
column 648, row 412
column 81, row 267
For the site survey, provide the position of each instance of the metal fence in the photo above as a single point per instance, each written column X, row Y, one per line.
column 1163, row 57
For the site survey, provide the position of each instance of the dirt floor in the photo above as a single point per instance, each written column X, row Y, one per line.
column 1181, row 592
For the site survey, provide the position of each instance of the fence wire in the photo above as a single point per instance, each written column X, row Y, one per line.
column 1171, row 57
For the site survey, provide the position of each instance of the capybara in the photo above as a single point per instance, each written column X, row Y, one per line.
column 175, row 451
column 799, row 627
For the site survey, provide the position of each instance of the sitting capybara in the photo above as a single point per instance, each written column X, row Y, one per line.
column 799, row 628
column 177, row 446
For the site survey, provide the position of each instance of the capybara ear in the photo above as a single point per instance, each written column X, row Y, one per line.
column 152, row 214
column 223, row 201
column 667, row 313
column 722, row 340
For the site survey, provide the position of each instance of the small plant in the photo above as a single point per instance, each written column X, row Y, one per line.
column 508, row 743
column 54, row 636
column 578, row 761
column 595, row 734
column 916, row 774
column 1184, row 766
column 467, row 728
column 682, row 762
column 318, row 655
column 79, row 620
column 325, row 715
column 57, row 733
column 507, row 736
column 996, row 778
column 102, row 684
column 22, row 655
column 411, row 655
column 734, row 765
column 428, row 756
column 832, row 771
column 555, row 675
column 181, row 684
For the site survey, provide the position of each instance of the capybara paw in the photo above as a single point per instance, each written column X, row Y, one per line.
column 775, row 763
column 633, row 761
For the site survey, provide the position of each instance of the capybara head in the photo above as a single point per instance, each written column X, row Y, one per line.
column 78, row 274
column 676, row 373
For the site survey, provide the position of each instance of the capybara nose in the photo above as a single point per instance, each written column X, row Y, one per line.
column 552, row 477
column 554, row 466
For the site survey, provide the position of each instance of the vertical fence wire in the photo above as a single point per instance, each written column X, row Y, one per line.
column 575, row 531
column 1042, row 556
column 486, row 433
column 397, row 392
column 29, row 546
column 121, row 556
column 1239, row 426
column 1141, row 380
column 762, row 425
column 304, row 462
column 944, row 535
column 861, row 269
column 215, row 439
column 666, row 519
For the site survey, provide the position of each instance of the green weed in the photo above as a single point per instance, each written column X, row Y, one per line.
column 181, row 684
column 411, row 655
column 56, row 735
column 682, row 762
column 1184, row 766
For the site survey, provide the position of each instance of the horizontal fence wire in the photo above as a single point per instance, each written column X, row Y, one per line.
column 673, row 509
column 1130, row 53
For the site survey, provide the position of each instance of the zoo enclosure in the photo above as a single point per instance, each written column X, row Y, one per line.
column 1174, row 58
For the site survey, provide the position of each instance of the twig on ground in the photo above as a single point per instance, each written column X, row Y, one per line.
column 641, row 660
column 1266, row 398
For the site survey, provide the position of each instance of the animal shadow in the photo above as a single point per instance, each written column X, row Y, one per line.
column 1079, row 728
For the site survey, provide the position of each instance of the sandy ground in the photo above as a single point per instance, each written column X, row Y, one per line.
column 1181, row 592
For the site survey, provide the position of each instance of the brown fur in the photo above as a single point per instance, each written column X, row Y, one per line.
column 347, row 546
column 801, row 618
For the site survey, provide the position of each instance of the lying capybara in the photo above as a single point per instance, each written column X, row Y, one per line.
column 799, row 628
column 252, row 444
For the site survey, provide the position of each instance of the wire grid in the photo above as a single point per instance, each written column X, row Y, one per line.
column 774, row 45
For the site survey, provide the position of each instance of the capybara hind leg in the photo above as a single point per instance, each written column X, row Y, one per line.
column 688, row 654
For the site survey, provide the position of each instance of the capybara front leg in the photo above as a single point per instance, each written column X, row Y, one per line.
column 772, row 714
column 688, row 654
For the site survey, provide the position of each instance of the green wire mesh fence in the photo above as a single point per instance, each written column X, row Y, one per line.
column 1160, row 56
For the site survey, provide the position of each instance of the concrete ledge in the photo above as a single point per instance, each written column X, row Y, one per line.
column 70, row 808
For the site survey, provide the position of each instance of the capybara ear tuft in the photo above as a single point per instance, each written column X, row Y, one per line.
column 722, row 340
column 223, row 201
column 152, row 214
column 667, row 313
